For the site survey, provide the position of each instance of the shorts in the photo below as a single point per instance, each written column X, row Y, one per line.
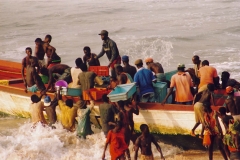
column 42, row 63
column 146, row 157
column 185, row 103
column 203, row 88
column 53, row 64
column 149, row 97
column 116, row 61
column 33, row 89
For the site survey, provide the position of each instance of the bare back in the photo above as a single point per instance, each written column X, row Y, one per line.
column 39, row 52
column 156, row 67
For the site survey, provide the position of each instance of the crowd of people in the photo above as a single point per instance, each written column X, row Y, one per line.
column 194, row 86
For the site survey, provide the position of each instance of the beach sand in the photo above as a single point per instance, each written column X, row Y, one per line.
column 195, row 155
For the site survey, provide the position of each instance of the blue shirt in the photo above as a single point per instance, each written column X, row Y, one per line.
column 143, row 79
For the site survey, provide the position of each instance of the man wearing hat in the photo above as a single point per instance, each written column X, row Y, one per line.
column 184, row 87
column 156, row 68
column 50, row 108
column 110, row 48
column 144, row 78
column 131, row 70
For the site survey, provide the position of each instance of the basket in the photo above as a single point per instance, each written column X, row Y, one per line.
column 74, row 92
column 169, row 75
column 160, row 91
column 99, row 70
column 122, row 92
column 96, row 93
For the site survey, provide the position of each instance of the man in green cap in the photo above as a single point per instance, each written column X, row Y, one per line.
column 110, row 48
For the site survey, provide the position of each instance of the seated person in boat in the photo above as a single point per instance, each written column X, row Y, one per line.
column 144, row 142
column 57, row 72
column 199, row 98
column 123, row 78
column 50, row 109
column 33, row 81
column 226, row 81
column 207, row 74
column 144, row 78
column 83, row 119
column 36, row 110
column 184, row 87
column 106, row 114
column 232, row 103
column 88, row 58
column 68, row 112
column 75, row 71
column 27, row 61
column 127, row 68
column 113, row 83
column 86, row 78
column 156, row 68
column 53, row 58
column 39, row 52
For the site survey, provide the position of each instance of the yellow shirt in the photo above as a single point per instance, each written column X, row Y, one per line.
column 67, row 116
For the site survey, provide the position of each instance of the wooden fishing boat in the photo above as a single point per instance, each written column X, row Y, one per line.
column 167, row 119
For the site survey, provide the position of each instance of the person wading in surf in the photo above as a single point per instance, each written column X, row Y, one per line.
column 144, row 142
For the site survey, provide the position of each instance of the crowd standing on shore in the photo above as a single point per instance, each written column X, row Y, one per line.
column 194, row 86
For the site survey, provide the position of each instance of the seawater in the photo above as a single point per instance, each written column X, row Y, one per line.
column 22, row 142
column 170, row 31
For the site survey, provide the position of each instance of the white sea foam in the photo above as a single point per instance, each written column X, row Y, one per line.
column 41, row 143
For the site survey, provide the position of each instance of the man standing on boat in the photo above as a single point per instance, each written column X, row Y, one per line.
column 110, row 48
column 144, row 78
column 127, row 67
column 27, row 61
column 184, row 87
column 197, row 65
column 156, row 68
column 207, row 74
column 39, row 52
column 53, row 58
column 33, row 81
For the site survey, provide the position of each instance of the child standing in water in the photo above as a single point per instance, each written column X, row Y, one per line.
column 144, row 142
column 117, row 143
